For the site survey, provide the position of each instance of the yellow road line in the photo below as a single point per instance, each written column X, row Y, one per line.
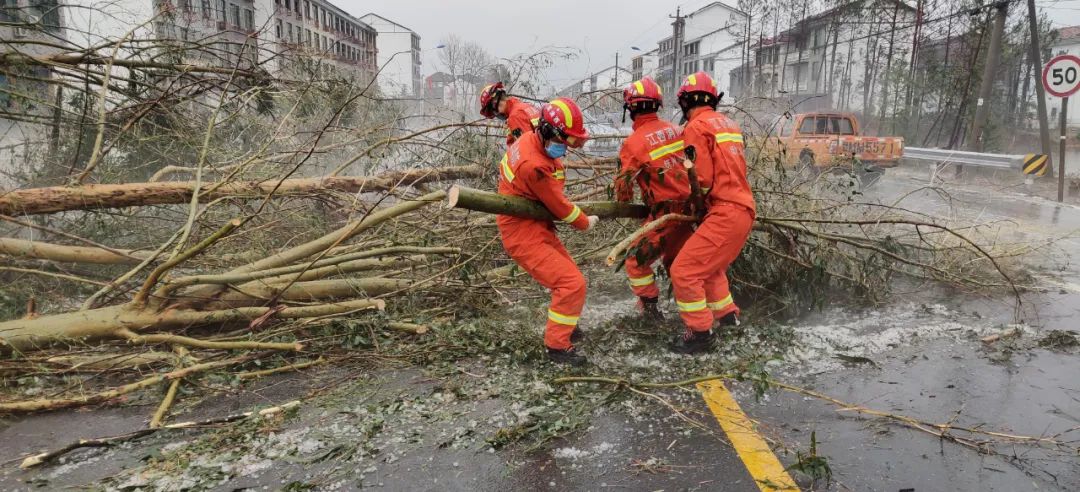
column 760, row 461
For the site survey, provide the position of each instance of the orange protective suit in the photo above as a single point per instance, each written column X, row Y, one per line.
column 699, row 274
column 522, row 118
column 652, row 156
column 526, row 171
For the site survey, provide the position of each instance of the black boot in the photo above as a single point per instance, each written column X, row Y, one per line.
column 692, row 342
column 577, row 335
column 649, row 310
column 566, row 356
column 729, row 319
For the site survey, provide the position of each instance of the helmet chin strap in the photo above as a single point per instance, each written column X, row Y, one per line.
column 626, row 108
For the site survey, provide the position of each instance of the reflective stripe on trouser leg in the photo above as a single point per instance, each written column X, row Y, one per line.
column 703, row 261
column 562, row 319
column 640, row 275
column 719, row 296
column 722, row 307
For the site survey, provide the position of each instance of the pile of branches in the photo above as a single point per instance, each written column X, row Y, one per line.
column 193, row 232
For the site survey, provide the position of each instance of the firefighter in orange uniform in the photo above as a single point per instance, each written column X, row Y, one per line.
column 652, row 156
column 520, row 117
column 531, row 169
column 699, row 274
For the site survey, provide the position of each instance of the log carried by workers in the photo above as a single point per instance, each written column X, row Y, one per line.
column 712, row 187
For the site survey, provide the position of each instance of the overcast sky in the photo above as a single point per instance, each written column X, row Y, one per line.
column 597, row 28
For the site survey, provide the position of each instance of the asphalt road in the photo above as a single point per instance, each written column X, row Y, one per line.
column 927, row 362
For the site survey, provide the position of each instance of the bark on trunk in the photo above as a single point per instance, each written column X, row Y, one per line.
column 63, row 198
column 494, row 203
column 256, row 293
column 73, row 254
column 109, row 322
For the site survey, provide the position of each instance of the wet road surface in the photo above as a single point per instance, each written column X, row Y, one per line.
column 927, row 362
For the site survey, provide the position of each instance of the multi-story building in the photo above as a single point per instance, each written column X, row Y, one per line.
column 645, row 65
column 282, row 36
column 319, row 30
column 27, row 100
column 593, row 92
column 837, row 59
column 710, row 39
column 399, row 56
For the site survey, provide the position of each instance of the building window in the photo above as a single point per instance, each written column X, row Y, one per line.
column 277, row 29
column 307, row 37
column 49, row 13
column 207, row 10
column 234, row 14
column 220, row 12
column 307, row 9
column 249, row 19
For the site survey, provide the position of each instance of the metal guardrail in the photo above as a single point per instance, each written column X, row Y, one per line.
column 979, row 159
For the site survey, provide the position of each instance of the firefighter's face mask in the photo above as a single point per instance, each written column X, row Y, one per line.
column 555, row 150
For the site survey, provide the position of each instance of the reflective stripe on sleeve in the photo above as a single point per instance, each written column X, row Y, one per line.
column 535, row 122
column 729, row 137
column 507, row 172
column 560, row 174
column 668, row 149
column 692, row 306
column 562, row 319
column 642, row 281
column 574, row 214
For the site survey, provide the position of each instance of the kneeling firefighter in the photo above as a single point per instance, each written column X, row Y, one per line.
column 532, row 169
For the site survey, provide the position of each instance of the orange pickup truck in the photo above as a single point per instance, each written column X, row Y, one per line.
column 821, row 140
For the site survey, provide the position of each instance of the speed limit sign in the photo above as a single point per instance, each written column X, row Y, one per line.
column 1061, row 75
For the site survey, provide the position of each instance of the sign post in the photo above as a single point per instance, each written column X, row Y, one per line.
column 1061, row 149
column 1061, row 78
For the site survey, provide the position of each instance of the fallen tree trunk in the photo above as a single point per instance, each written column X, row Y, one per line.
column 494, row 203
column 22, row 335
column 255, row 293
column 63, row 198
column 335, row 238
column 292, row 273
column 38, row 250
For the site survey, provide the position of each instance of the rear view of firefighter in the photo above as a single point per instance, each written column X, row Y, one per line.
column 531, row 169
column 520, row 117
column 699, row 274
column 652, row 156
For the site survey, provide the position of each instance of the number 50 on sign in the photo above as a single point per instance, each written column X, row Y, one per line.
column 1061, row 76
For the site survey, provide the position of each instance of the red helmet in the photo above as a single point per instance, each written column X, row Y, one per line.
column 565, row 117
column 488, row 101
column 643, row 90
column 698, row 82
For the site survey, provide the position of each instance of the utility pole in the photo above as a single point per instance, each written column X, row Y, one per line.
column 1040, row 92
column 616, row 69
column 982, row 108
column 676, row 40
